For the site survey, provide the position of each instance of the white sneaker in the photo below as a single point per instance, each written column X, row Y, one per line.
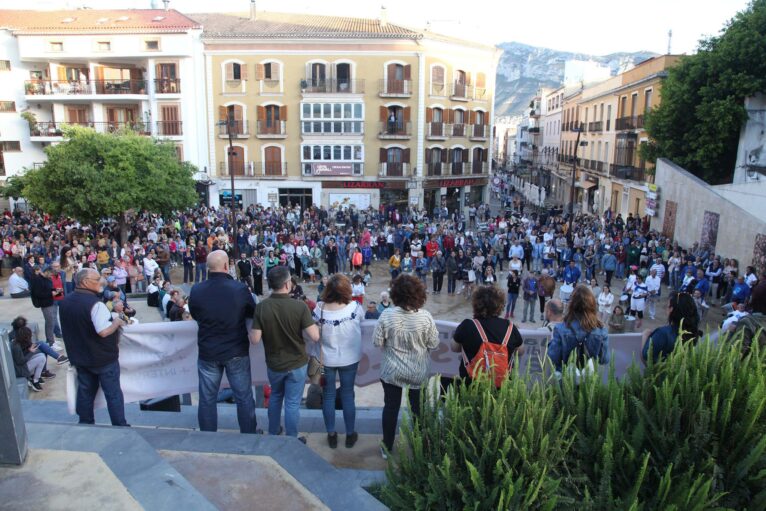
column 58, row 346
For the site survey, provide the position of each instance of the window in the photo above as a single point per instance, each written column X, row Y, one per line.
column 332, row 118
column 268, row 72
column 647, row 100
column 437, row 81
column 608, row 117
column 353, row 154
column 5, row 65
column 236, row 71
column 10, row 146
column 152, row 45
column 104, row 46
column 55, row 46
column 7, row 106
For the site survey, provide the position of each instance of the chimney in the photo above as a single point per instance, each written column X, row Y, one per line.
column 167, row 3
column 252, row 10
column 383, row 16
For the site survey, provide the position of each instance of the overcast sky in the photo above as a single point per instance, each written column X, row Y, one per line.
column 589, row 26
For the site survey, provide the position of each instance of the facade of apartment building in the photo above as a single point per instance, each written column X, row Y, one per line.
column 108, row 70
column 325, row 110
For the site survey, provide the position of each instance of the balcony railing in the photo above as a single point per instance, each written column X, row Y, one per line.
column 239, row 129
column 395, row 130
column 600, row 166
column 395, row 88
column 434, row 168
column 456, row 168
column 332, row 86
column 393, row 169
column 111, row 127
column 167, row 85
column 238, row 168
column 635, row 122
column 270, row 169
column 595, row 126
column 479, row 167
column 479, row 131
column 458, row 130
column 627, row 172
column 49, row 128
column 534, row 129
column 271, row 129
column 436, row 130
column 169, row 128
column 460, row 91
column 50, row 87
column 438, row 89
column 120, row 86
column 480, row 94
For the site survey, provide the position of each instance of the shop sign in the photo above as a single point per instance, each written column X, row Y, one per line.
column 457, row 183
column 273, row 197
column 332, row 169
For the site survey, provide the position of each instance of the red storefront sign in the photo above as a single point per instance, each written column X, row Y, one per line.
column 457, row 183
column 332, row 169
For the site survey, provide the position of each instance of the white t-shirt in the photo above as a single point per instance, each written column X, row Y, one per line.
column 341, row 332
column 100, row 317
column 357, row 289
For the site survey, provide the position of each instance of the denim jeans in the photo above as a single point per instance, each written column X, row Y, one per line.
column 88, row 381
column 201, row 272
column 56, row 325
column 238, row 373
column 286, row 386
column 44, row 347
column 510, row 305
column 529, row 310
column 347, row 375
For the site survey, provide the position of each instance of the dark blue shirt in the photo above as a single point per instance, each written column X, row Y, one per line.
column 221, row 305
column 663, row 340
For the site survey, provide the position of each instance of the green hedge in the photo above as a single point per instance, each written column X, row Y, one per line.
column 687, row 434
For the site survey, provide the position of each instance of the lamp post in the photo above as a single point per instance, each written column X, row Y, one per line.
column 574, row 177
column 230, row 126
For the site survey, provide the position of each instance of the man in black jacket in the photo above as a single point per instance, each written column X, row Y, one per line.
column 42, row 298
column 221, row 305
column 245, row 270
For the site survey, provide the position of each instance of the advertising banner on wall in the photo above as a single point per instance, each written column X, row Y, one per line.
column 332, row 169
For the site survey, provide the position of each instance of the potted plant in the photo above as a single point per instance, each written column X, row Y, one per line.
column 31, row 119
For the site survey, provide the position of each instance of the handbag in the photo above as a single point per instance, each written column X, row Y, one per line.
column 315, row 369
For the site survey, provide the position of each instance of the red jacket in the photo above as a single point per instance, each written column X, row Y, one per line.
column 431, row 248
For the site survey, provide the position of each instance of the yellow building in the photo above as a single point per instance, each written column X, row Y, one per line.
column 330, row 109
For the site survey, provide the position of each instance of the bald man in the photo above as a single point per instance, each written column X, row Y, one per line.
column 91, row 338
column 221, row 305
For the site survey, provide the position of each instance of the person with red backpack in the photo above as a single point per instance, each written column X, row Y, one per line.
column 488, row 342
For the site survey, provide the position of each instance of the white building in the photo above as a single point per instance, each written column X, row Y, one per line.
column 551, row 103
column 105, row 69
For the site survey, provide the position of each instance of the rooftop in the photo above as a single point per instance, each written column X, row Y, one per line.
column 96, row 21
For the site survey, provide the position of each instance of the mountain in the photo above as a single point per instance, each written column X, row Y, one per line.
column 523, row 69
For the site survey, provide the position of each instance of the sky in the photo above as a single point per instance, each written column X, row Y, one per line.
column 597, row 27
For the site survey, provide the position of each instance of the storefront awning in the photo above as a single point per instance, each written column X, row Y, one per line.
column 585, row 184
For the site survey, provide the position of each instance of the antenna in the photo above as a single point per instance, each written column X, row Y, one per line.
column 670, row 39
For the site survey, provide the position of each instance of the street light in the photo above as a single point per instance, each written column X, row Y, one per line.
column 230, row 126
column 574, row 177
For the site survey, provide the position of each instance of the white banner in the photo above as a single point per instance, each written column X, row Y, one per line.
column 160, row 359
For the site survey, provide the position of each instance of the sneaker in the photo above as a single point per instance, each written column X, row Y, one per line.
column 351, row 439
column 332, row 440
column 48, row 375
column 35, row 386
column 58, row 346
column 302, row 439
column 63, row 359
column 383, row 452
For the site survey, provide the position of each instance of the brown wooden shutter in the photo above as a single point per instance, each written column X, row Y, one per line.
column 407, row 72
column 468, row 78
column 484, row 155
column 471, row 117
column 428, row 156
column 243, row 71
column 466, row 155
column 445, row 155
column 429, row 114
column 61, row 70
column 383, row 155
column 136, row 74
column 282, row 113
column 275, row 71
column 406, row 156
column 406, row 114
column 486, row 118
column 237, row 113
column 223, row 113
column 260, row 112
column 383, row 114
column 450, row 116
column 259, row 72
column 229, row 71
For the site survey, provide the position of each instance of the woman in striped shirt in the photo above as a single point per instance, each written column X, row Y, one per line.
column 406, row 333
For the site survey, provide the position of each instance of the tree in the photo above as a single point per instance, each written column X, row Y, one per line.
column 698, row 123
column 92, row 175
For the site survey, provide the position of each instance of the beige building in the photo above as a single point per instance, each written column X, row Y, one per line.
column 325, row 110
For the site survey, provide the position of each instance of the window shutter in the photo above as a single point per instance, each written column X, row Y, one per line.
column 275, row 71
column 484, row 155
column 406, row 114
column 222, row 113
column 237, row 113
column 428, row 155
column 407, row 72
column 282, row 113
column 429, row 114
column 471, row 117
column 406, row 156
column 445, row 155
column 486, row 118
column 260, row 113
column 450, row 116
column 383, row 155
column 259, row 71
column 465, row 155
column 229, row 71
column 481, row 80
column 243, row 71
column 61, row 73
column 383, row 114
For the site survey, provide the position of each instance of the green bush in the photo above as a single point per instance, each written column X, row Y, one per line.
column 687, row 434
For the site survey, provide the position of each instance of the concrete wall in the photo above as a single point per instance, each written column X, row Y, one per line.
column 737, row 229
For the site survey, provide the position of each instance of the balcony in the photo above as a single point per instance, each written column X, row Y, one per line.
column 627, row 172
column 238, row 168
column 394, row 169
column 534, row 129
column 479, row 132
column 599, row 166
column 594, row 127
column 398, row 130
column 271, row 129
column 438, row 89
column 43, row 130
column 112, row 127
column 56, row 87
column 635, row 122
column 120, row 86
column 434, row 169
column 479, row 167
column 167, row 85
column 459, row 91
column 239, row 129
column 458, row 130
column 395, row 88
column 456, row 168
column 169, row 128
column 269, row 169
column 436, row 131
column 332, row 86
column 332, row 128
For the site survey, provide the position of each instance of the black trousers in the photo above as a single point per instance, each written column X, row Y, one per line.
column 609, row 274
column 542, row 303
column 392, row 400
column 438, row 281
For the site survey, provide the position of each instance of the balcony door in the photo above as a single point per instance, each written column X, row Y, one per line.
column 458, row 156
column 231, row 115
column 318, row 75
column 434, row 157
column 460, row 83
column 272, row 120
column 396, row 119
column 77, row 115
column 121, row 118
column 170, row 124
column 343, row 77
column 166, row 78
column 458, row 123
column 479, row 157
column 273, row 156
column 236, row 157
column 395, row 158
column 395, row 79
column 437, row 122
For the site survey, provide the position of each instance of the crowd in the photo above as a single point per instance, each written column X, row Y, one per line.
column 92, row 269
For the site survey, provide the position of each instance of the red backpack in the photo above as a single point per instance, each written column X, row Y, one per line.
column 491, row 358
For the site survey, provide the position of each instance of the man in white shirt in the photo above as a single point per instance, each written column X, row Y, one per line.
column 17, row 286
column 653, row 282
column 150, row 266
column 659, row 268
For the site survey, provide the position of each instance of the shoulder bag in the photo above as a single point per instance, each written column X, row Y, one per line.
column 315, row 369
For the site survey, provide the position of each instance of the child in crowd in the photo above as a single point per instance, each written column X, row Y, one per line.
column 617, row 321
column 357, row 290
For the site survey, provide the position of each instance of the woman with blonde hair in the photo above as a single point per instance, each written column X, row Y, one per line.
column 581, row 333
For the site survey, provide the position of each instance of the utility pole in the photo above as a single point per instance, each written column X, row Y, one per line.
column 230, row 127
column 574, row 177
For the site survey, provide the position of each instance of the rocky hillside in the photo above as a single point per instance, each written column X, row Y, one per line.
column 523, row 69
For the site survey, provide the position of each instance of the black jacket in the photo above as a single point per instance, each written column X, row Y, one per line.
column 19, row 361
column 42, row 291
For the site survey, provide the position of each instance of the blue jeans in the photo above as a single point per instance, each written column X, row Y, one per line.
column 286, row 386
column 56, row 325
column 45, row 348
column 238, row 374
column 510, row 305
column 88, row 381
column 347, row 375
column 201, row 272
